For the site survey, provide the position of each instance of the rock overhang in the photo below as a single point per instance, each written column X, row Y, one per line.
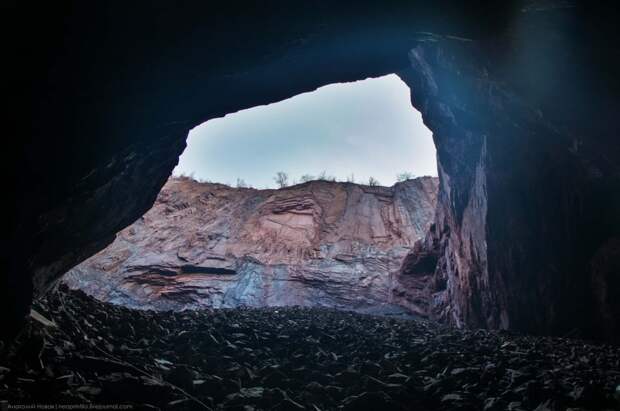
column 136, row 134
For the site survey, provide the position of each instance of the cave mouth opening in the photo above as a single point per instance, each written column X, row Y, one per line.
column 344, row 131
column 319, row 229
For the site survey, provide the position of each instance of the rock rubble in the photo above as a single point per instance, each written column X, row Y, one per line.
column 294, row 359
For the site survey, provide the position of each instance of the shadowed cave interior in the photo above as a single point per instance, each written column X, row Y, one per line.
column 510, row 284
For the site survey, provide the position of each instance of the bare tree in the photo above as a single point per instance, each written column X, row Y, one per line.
column 281, row 179
column 189, row 176
column 373, row 181
column 241, row 183
column 324, row 177
column 404, row 176
column 351, row 178
column 305, row 178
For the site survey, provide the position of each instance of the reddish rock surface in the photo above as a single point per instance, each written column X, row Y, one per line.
column 314, row 244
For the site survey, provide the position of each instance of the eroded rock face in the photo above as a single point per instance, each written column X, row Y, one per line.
column 524, row 234
column 314, row 244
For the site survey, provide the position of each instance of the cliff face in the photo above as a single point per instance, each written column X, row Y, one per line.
column 527, row 209
column 314, row 244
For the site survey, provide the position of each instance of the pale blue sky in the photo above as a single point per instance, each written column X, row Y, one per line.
column 365, row 128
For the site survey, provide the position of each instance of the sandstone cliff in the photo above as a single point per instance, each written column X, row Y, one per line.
column 314, row 244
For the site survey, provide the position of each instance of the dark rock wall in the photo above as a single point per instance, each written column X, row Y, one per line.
column 102, row 96
column 527, row 206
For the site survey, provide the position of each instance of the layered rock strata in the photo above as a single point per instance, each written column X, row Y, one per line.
column 314, row 244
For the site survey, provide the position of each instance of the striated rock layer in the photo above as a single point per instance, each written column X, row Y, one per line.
column 314, row 244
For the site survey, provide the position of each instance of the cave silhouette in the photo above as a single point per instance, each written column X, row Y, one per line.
column 521, row 97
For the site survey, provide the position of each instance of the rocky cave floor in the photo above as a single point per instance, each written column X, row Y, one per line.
column 293, row 359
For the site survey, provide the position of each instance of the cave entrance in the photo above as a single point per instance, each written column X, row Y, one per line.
column 311, row 201
column 345, row 132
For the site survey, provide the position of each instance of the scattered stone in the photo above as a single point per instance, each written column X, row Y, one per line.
column 89, row 390
column 451, row 397
column 296, row 359
column 41, row 319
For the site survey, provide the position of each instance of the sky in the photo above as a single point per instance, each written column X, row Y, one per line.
column 364, row 128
